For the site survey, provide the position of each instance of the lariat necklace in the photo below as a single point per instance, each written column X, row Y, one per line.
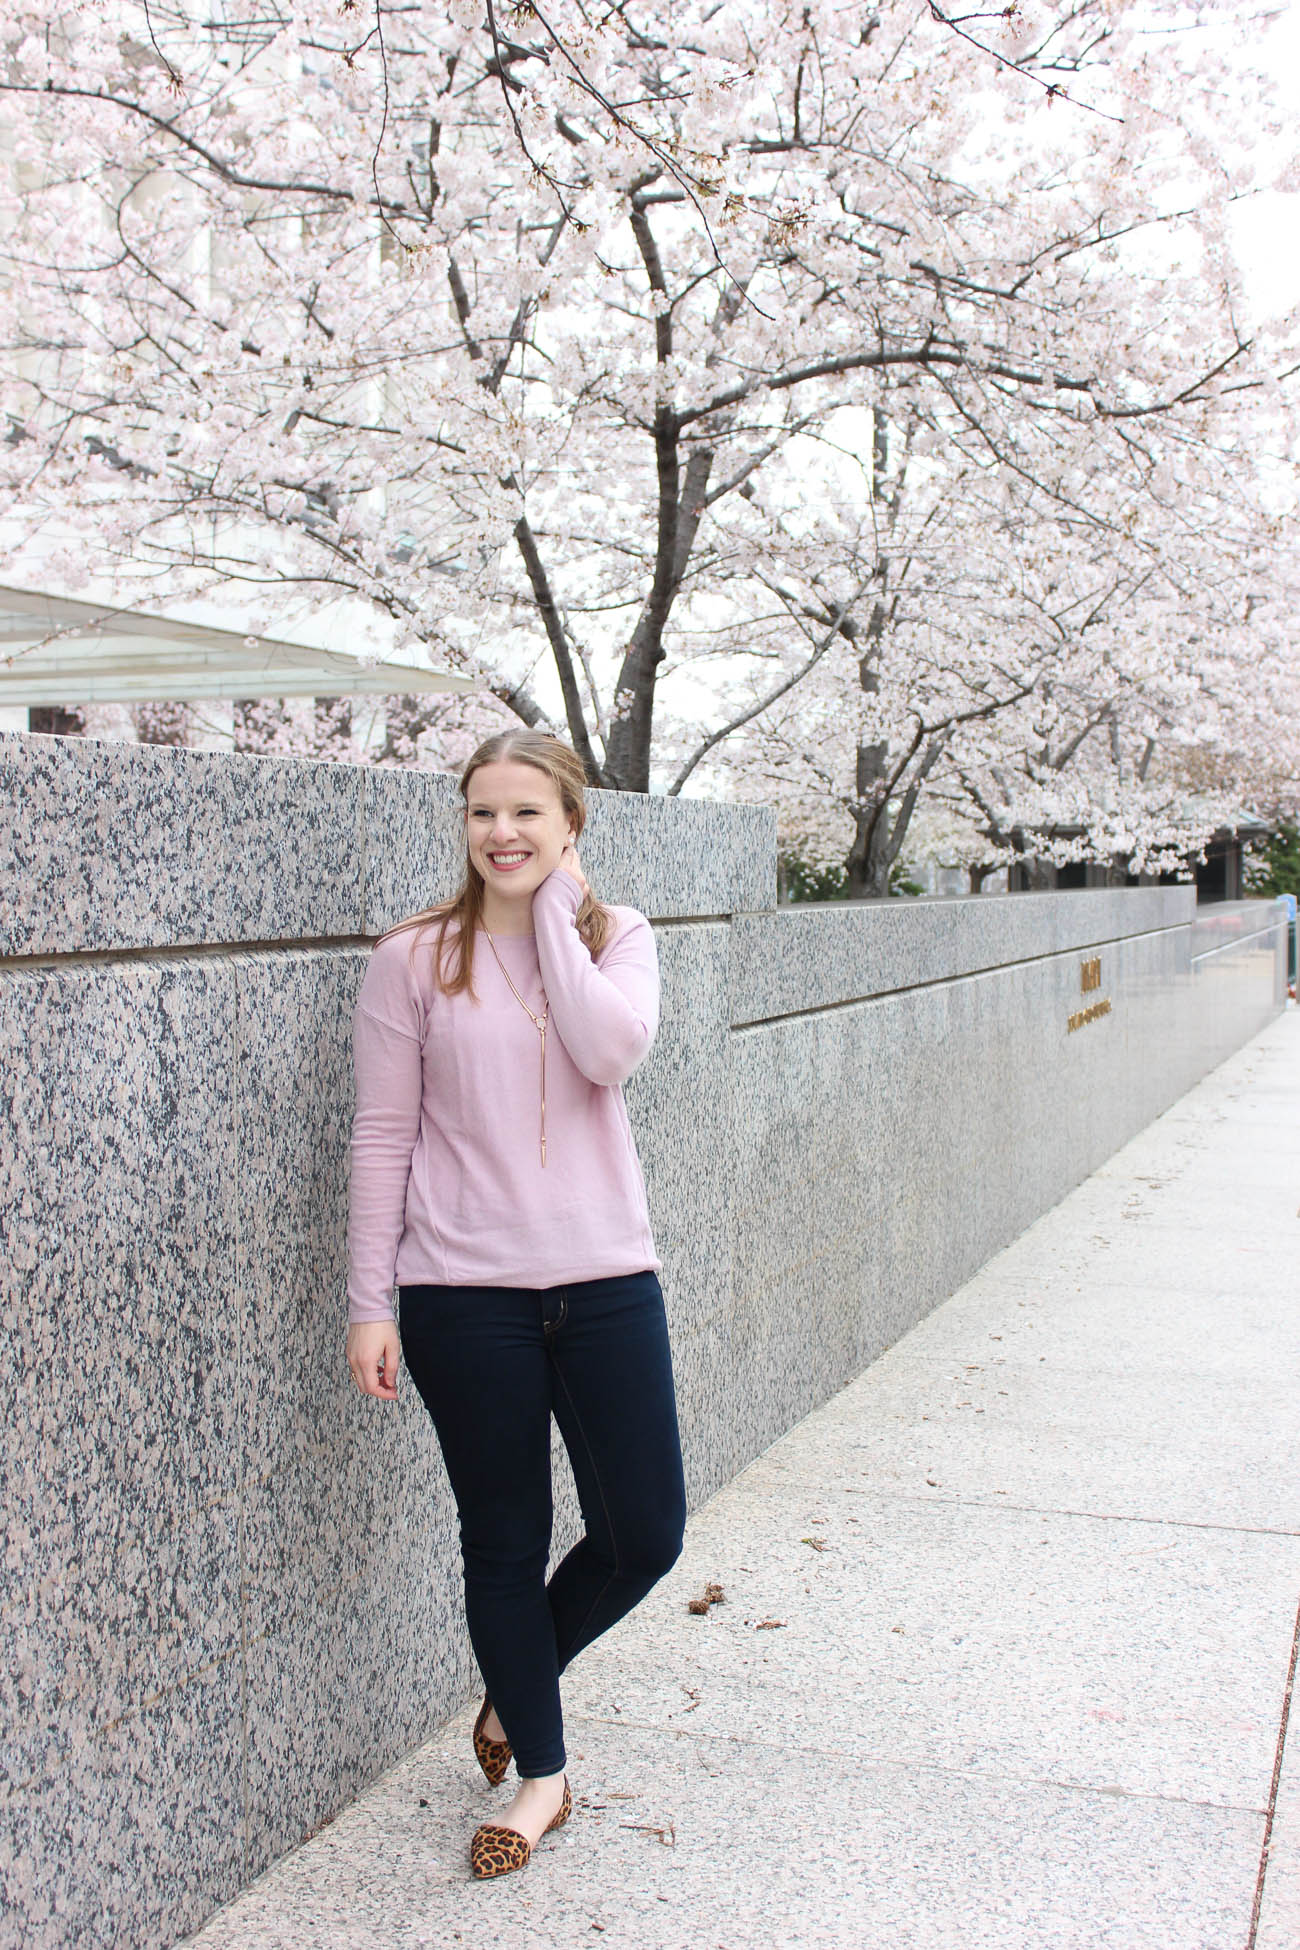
column 538, row 1022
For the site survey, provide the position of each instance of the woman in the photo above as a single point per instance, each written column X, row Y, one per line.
column 496, row 1183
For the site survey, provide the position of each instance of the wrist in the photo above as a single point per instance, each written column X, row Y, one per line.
column 562, row 886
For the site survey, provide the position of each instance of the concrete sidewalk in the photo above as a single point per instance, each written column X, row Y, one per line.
column 1008, row 1625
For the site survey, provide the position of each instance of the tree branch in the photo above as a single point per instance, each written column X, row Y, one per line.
column 555, row 636
column 787, row 684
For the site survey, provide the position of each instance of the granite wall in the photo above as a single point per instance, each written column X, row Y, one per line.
column 230, row 1590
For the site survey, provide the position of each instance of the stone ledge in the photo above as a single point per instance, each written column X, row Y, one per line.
column 669, row 857
column 146, row 846
column 117, row 846
column 811, row 957
column 1224, row 924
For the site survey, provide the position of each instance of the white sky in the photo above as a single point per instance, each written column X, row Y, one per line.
column 1268, row 227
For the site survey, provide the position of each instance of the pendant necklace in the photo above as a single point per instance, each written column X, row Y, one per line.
column 539, row 1023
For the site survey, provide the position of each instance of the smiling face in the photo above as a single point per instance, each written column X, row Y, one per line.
column 516, row 829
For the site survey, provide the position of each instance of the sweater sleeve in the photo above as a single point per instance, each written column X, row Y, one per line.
column 388, row 1067
column 605, row 1016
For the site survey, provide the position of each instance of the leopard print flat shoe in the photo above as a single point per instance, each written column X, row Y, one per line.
column 496, row 1851
column 493, row 1756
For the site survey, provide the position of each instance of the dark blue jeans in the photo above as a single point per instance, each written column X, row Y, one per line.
column 492, row 1365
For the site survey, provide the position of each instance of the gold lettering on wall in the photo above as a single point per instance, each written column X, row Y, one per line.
column 1089, row 980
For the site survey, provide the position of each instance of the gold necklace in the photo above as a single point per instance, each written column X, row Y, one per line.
column 539, row 1023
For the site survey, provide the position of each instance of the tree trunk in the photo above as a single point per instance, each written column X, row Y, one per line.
column 62, row 721
column 874, row 847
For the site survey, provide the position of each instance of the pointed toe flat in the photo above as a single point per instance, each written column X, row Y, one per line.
column 493, row 1756
column 498, row 1851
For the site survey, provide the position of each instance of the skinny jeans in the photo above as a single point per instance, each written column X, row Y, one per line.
column 492, row 1365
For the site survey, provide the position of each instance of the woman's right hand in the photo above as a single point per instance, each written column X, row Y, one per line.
column 374, row 1351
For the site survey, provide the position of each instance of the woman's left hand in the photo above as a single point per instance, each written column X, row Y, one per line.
column 569, row 864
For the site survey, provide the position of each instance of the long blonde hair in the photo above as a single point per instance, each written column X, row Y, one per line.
column 452, row 963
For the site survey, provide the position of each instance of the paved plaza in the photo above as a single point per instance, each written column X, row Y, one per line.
column 1003, row 1655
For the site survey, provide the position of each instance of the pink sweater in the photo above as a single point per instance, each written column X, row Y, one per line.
column 447, row 1184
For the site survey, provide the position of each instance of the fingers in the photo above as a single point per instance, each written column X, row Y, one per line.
column 387, row 1375
column 374, row 1356
column 570, row 862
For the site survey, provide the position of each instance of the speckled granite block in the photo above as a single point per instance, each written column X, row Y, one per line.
column 710, row 1407
column 780, row 1094
column 668, row 857
column 781, row 1368
column 678, row 857
column 136, row 846
column 1159, row 1054
column 1221, row 924
column 414, row 843
column 120, row 1433
column 678, row 1108
column 126, row 846
column 1236, row 986
column 813, row 956
column 127, row 1831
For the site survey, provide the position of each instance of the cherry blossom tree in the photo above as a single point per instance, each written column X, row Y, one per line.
column 590, row 348
column 1058, row 689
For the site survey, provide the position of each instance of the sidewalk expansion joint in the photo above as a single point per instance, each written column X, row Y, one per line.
column 993, row 1777
column 1094, row 1516
column 1283, row 1723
